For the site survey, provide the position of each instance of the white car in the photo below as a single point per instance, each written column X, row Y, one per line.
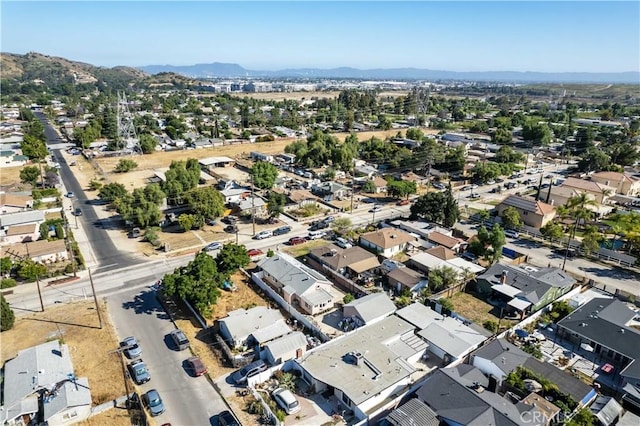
column 375, row 209
column 511, row 234
column 287, row 400
column 263, row 234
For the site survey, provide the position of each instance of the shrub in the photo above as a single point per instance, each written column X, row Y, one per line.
column 491, row 325
column 7, row 283
column 348, row 298
column 125, row 165
column 7, row 317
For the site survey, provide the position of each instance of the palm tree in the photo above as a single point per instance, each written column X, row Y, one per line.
column 576, row 206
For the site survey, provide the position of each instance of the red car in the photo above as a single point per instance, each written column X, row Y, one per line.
column 195, row 366
column 254, row 252
column 296, row 240
column 403, row 202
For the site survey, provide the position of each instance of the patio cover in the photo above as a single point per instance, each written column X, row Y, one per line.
column 507, row 290
column 519, row 304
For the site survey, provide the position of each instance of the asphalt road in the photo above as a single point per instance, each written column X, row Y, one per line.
column 106, row 253
column 187, row 400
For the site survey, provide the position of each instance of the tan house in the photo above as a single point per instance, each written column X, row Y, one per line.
column 386, row 241
column 302, row 197
column 533, row 213
column 13, row 226
column 442, row 253
column 380, row 183
column 600, row 192
column 412, row 177
column 351, row 262
column 622, row 183
column 447, row 241
column 11, row 202
column 39, row 251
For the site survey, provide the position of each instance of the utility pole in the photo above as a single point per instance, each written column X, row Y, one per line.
column 16, row 255
column 119, row 352
column 253, row 207
column 353, row 185
column 95, row 299
column 69, row 245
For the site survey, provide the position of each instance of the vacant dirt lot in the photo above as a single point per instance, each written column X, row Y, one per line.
column 477, row 310
column 9, row 175
column 77, row 325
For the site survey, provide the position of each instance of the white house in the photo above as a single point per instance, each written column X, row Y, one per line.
column 40, row 383
column 386, row 241
column 21, row 226
column 299, row 285
column 258, row 325
column 285, row 348
column 369, row 309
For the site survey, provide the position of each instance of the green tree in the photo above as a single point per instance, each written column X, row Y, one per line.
column 125, row 165
column 94, row 185
column 341, row 225
column 30, row 270
column 206, row 202
column 491, row 325
column 502, row 136
column 187, row 221
column 437, row 207
column 385, row 123
column 7, row 283
column 511, row 218
column 348, row 298
column 536, row 133
column 451, row 211
column 148, row 143
column 29, row 174
column 7, row 317
column 34, row 148
column 446, row 303
column 276, row 203
column 401, row 188
column 553, row 231
column 231, row 258
column 264, row 174
column 369, row 187
column 590, row 243
column 584, row 417
column 506, row 154
column 442, row 278
column 6, row 264
column 112, row 191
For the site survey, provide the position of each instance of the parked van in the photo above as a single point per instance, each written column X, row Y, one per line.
column 240, row 377
column 316, row 235
column 343, row 243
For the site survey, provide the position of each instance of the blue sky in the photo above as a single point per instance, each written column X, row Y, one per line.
column 542, row 36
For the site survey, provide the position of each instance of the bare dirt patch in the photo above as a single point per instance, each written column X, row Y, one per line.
column 10, row 175
column 477, row 310
column 112, row 417
column 77, row 325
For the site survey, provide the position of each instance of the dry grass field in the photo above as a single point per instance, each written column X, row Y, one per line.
column 77, row 325
column 476, row 310
column 113, row 417
column 10, row 175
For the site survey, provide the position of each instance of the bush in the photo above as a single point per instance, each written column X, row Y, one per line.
column 348, row 298
column 280, row 415
column 125, row 165
column 491, row 325
column 7, row 318
column 7, row 283
column 94, row 185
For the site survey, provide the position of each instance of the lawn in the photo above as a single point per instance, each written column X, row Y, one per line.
column 304, row 249
column 477, row 310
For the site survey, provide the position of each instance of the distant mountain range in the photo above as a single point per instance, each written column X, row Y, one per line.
column 224, row 70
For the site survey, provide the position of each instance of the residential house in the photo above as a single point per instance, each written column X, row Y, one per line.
column 332, row 190
column 412, row 177
column 607, row 410
column 604, row 326
column 452, row 243
column 298, row 284
column 426, row 262
column 302, row 197
column 447, row 338
column 42, row 251
column 367, row 370
column 386, row 242
column 622, row 183
column 525, row 291
column 533, row 213
column 235, row 195
column 351, row 263
column 366, row 171
column 380, row 184
column 245, row 327
column 442, row 252
column 599, row 191
column 369, row 309
column 258, row 156
column 413, row 413
column 404, row 142
column 251, row 205
column 285, row 348
column 460, row 396
column 402, row 279
column 21, row 226
column 40, row 387
column 11, row 202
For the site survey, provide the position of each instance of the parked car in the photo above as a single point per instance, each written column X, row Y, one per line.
column 403, row 202
column 135, row 233
column 473, row 196
column 561, row 252
column 255, row 252
column 263, row 234
column 225, row 418
column 375, row 209
column 179, row 339
column 282, row 230
column 78, row 211
column 213, row 246
column 195, row 366
column 511, row 233
column 153, row 402
column 138, row 372
column 329, row 219
column 231, row 229
column 131, row 348
column 229, row 220
column 286, row 400
column 240, row 377
column 342, row 243
column 297, row 240
column 70, row 194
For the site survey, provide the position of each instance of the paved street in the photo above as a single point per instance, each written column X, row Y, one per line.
column 187, row 400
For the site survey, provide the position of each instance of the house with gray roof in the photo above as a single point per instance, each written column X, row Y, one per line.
column 606, row 326
column 525, row 291
column 302, row 287
column 413, row 413
column 20, row 220
column 369, row 309
column 351, row 263
column 285, row 348
column 40, row 385
column 460, row 396
column 498, row 359
column 258, row 325
column 368, row 368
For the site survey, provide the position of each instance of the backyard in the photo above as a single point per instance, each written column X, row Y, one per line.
column 477, row 310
